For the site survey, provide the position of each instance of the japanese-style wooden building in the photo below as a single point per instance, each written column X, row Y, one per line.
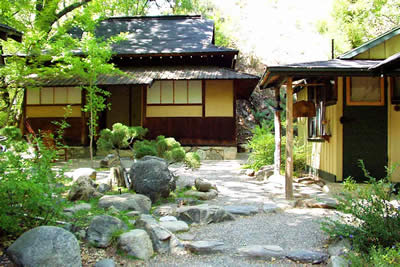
column 181, row 84
column 355, row 111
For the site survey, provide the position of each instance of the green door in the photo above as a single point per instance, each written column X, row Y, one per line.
column 365, row 131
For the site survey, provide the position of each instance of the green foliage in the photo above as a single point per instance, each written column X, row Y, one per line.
column 167, row 148
column 121, row 136
column 62, row 125
column 262, row 147
column 380, row 257
column 144, row 148
column 28, row 195
column 192, row 160
column 12, row 133
column 374, row 221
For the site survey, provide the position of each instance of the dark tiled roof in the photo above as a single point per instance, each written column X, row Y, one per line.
column 160, row 35
column 149, row 74
column 389, row 63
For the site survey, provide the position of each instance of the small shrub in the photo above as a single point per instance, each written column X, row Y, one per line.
column 192, row 160
column 374, row 221
column 262, row 147
column 28, row 195
column 12, row 133
column 144, row 148
column 178, row 154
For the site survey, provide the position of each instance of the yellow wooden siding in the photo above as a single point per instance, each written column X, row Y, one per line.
column 393, row 137
column 383, row 50
column 174, row 111
column 44, row 111
column 219, row 98
column 326, row 156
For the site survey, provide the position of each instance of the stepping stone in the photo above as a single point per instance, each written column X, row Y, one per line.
column 241, row 210
column 175, row 226
column 203, row 214
column 168, row 219
column 78, row 207
column 205, row 247
column 186, row 237
column 261, row 252
column 307, row 256
column 271, row 207
column 202, row 195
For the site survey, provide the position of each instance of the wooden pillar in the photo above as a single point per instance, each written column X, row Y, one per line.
column 289, row 140
column 277, row 126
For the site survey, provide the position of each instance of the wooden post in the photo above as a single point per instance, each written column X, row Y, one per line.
column 289, row 140
column 277, row 126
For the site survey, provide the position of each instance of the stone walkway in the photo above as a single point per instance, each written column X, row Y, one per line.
column 263, row 217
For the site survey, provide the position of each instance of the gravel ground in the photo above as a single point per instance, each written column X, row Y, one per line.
column 291, row 230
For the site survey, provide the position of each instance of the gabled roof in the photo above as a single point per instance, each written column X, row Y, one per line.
column 9, row 32
column 160, row 35
column 372, row 43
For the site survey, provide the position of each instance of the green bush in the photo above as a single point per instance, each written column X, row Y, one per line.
column 165, row 147
column 374, row 221
column 28, row 195
column 262, row 147
column 380, row 257
column 178, row 154
column 192, row 160
column 12, row 133
column 144, row 148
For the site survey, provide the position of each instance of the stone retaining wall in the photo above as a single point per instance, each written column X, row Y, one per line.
column 205, row 152
column 214, row 152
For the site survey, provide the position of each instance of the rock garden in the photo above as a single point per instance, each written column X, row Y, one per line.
column 158, row 212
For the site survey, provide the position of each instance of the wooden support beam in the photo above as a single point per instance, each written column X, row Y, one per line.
column 277, row 126
column 289, row 141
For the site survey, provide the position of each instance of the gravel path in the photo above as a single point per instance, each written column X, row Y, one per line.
column 292, row 229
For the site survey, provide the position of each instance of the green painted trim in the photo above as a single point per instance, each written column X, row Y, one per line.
column 323, row 174
column 370, row 44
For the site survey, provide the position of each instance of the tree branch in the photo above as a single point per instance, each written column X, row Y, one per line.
column 68, row 9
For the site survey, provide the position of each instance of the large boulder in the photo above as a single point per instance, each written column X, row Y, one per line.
column 46, row 246
column 151, row 177
column 136, row 243
column 163, row 240
column 83, row 189
column 126, row 202
column 101, row 228
column 203, row 214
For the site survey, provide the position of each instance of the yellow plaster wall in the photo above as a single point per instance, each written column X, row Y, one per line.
column 174, row 111
column 393, row 137
column 383, row 50
column 44, row 111
column 219, row 98
column 326, row 156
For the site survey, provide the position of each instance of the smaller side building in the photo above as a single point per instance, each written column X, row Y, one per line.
column 5, row 33
column 357, row 114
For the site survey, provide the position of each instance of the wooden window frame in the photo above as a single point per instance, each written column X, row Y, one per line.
column 173, row 94
column 350, row 102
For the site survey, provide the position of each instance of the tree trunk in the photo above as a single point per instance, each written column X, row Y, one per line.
column 278, row 128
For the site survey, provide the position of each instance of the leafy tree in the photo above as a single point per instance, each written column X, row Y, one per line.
column 355, row 22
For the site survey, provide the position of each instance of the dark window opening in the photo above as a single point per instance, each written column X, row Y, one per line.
column 322, row 93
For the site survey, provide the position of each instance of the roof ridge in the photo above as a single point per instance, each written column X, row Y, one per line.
column 160, row 17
